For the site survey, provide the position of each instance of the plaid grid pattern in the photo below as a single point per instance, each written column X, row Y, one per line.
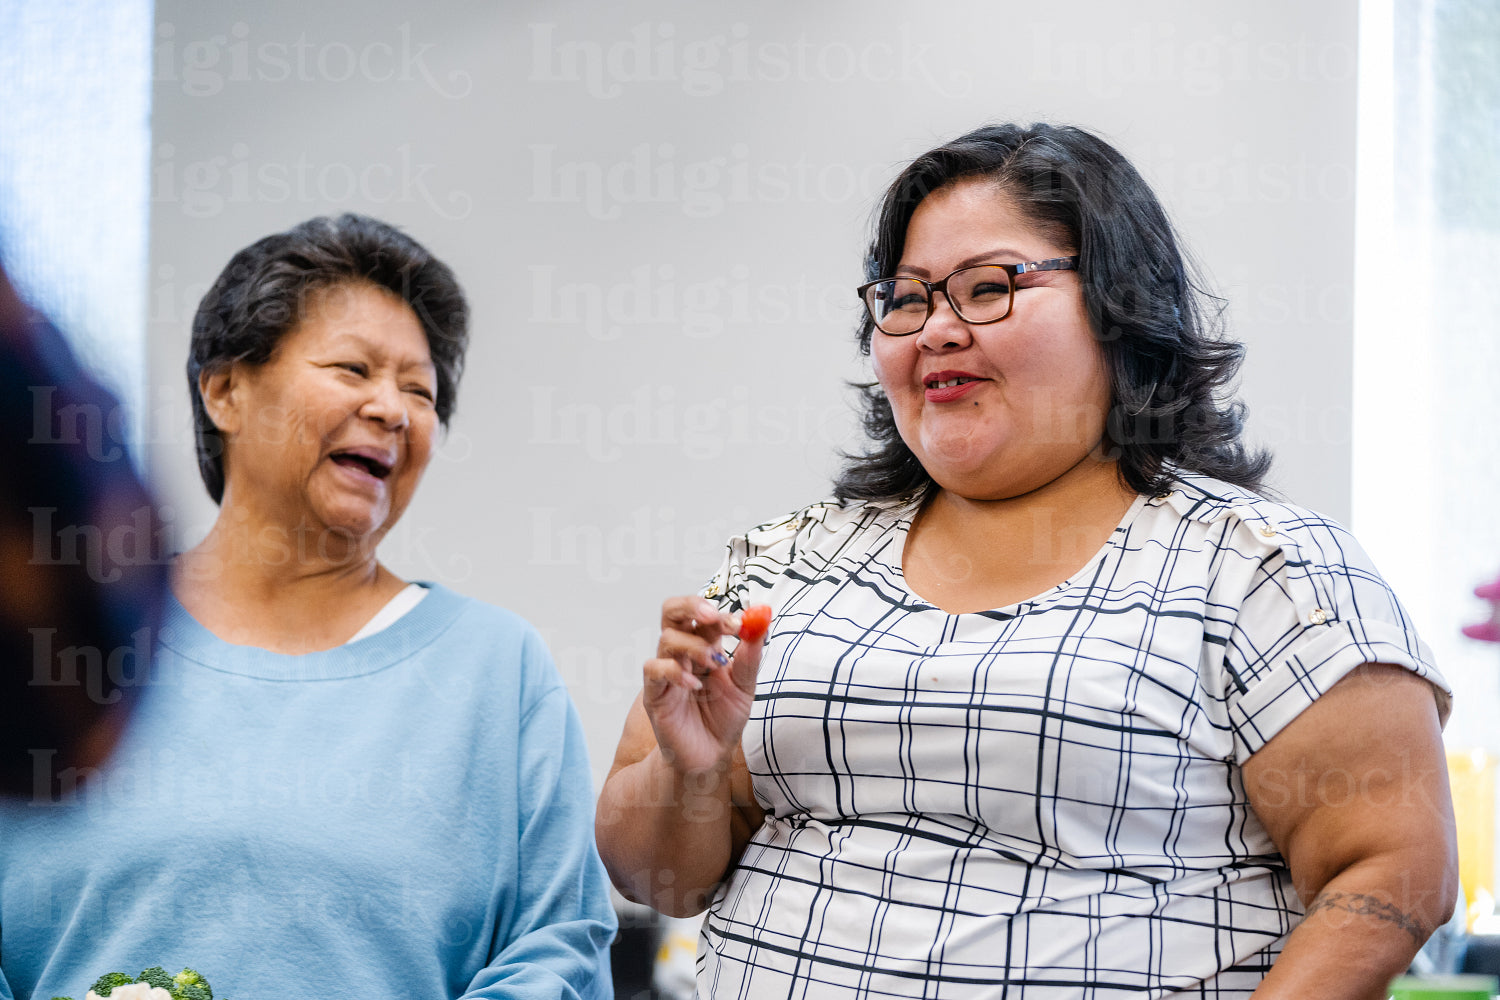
column 1044, row 800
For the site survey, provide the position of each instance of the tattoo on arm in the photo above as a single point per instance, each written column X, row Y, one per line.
column 1368, row 906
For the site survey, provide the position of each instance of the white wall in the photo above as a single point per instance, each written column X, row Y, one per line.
column 659, row 212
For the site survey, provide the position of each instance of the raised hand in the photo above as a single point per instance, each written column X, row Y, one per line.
column 696, row 696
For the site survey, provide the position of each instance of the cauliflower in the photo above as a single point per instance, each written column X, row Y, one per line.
column 133, row 991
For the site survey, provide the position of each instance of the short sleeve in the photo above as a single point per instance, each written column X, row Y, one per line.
column 725, row 587
column 756, row 560
column 1314, row 609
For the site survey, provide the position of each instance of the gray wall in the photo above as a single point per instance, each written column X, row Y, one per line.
column 659, row 212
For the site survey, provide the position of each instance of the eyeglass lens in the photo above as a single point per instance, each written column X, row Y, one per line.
column 978, row 294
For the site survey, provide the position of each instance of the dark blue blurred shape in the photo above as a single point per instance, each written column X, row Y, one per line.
column 82, row 561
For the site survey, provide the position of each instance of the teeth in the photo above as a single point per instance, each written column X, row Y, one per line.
column 950, row 383
column 373, row 466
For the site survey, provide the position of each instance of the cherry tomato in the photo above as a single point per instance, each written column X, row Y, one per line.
column 754, row 622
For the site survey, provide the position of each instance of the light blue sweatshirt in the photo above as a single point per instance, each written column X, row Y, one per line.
column 409, row 815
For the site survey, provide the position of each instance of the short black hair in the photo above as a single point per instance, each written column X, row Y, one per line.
column 1170, row 369
column 260, row 296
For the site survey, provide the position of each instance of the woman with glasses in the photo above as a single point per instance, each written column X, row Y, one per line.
column 1056, row 701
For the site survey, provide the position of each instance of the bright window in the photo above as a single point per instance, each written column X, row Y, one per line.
column 75, row 76
column 1427, row 328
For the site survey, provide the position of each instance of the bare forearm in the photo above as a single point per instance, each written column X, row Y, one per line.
column 666, row 838
column 1361, row 931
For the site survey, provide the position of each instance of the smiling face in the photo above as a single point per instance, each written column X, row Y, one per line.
column 334, row 431
column 996, row 410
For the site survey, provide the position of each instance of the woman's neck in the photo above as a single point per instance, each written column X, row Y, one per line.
column 288, row 589
column 965, row 554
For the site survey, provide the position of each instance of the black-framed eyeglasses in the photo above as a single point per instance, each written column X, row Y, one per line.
column 983, row 293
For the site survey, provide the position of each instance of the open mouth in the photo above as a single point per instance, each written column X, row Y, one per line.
column 371, row 464
column 934, row 382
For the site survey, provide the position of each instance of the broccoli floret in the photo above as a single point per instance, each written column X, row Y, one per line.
column 107, row 983
column 189, row 985
column 156, row 976
column 62, row 998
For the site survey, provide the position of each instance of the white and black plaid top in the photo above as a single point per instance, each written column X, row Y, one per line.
column 1044, row 800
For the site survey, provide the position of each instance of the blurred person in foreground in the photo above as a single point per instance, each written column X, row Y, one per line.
column 82, row 576
column 1056, row 702
column 342, row 783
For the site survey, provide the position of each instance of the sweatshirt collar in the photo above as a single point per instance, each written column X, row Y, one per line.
column 184, row 635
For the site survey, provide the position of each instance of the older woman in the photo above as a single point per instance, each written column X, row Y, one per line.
column 342, row 783
column 1057, row 703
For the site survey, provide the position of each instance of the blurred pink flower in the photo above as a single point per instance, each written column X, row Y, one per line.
column 1488, row 631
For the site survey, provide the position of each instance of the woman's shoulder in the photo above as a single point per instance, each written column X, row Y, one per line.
column 444, row 612
column 815, row 524
column 1256, row 528
column 827, row 523
column 487, row 630
column 809, row 535
column 1212, row 501
column 1297, row 584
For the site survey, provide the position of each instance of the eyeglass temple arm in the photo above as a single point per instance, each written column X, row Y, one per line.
column 1055, row 264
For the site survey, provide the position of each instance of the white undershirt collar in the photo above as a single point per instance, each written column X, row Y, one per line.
column 410, row 596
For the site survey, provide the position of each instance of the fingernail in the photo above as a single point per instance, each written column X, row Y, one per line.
column 718, row 657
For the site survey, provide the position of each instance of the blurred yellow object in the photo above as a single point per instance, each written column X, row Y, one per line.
column 1471, row 774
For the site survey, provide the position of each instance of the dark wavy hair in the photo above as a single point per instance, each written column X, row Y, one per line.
column 1170, row 371
column 261, row 293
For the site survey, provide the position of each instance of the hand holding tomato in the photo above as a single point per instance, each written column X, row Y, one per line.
column 696, row 696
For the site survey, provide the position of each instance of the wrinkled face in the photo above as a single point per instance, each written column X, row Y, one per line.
column 334, row 431
column 995, row 410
